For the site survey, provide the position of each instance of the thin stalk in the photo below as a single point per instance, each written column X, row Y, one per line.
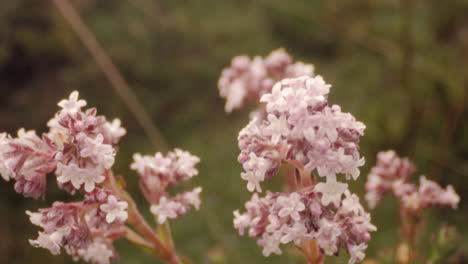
column 135, row 218
column 309, row 248
column 111, row 72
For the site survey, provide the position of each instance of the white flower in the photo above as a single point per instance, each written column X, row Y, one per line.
column 235, row 97
column 115, row 210
column 356, row 253
column 185, row 163
column 274, row 100
column 193, row 197
column 165, row 209
column 5, row 171
column 290, row 206
column 101, row 154
column 72, row 105
column 276, row 128
column 91, row 178
column 255, row 168
column 241, row 221
column 71, row 173
column 270, row 243
column 327, row 236
column 52, row 241
column 294, row 233
column 331, row 191
column 160, row 164
column 97, row 252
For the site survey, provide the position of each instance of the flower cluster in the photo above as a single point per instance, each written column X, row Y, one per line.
column 280, row 218
column 159, row 172
column 84, row 229
column 300, row 130
column 246, row 80
column 80, row 148
column 391, row 174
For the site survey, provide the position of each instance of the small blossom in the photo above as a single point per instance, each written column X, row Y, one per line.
column 185, row 163
column 357, row 253
column 247, row 80
column 165, row 209
column 99, row 152
column 290, row 206
column 97, row 253
column 391, row 174
column 72, row 105
column 52, row 242
column 331, row 191
column 115, row 210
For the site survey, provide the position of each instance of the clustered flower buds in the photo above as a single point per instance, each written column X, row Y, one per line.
column 280, row 218
column 80, row 148
column 300, row 130
column 159, row 172
column 84, row 229
column 246, row 80
column 391, row 174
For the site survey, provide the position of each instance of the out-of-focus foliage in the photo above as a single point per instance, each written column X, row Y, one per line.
column 401, row 67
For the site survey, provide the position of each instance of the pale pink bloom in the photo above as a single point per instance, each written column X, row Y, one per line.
column 96, row 150
column 294, row 233
column 246, row 80
column 71, row 173
column 115, row 210
column 165, row 209
column 72, row 105
column 356, row 253
column 140, row 163
column 52, row 241
column 160, row 164
column 327, row 236
column 255, row 167
column 275, row 100
column 270, row 244
column 91, row 179
column 290, row 206
column 331, row 191
column 193, row 197
column 5, row 170
column 241, row 221
column 97, row 253
column 185, row 163
column 112, row 131
column 276, row 128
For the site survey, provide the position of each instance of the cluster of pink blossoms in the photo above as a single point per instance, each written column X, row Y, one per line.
column 300, row 129
column 84, row 229
column 246, row 80
column 157, row 173
column 391, row 174
column 80, row 148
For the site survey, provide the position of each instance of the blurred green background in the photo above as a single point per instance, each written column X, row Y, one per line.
column 401, row 67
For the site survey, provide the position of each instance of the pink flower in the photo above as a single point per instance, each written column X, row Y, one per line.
column 165, row 209
column 331, row 191
column 97, row 151
column 51, row 241
column 72, row 105
column 97, row 252
column 290, row 206
column 246, row 80
column 115, row 210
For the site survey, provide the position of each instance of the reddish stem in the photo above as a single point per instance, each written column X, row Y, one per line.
column 135, row 219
